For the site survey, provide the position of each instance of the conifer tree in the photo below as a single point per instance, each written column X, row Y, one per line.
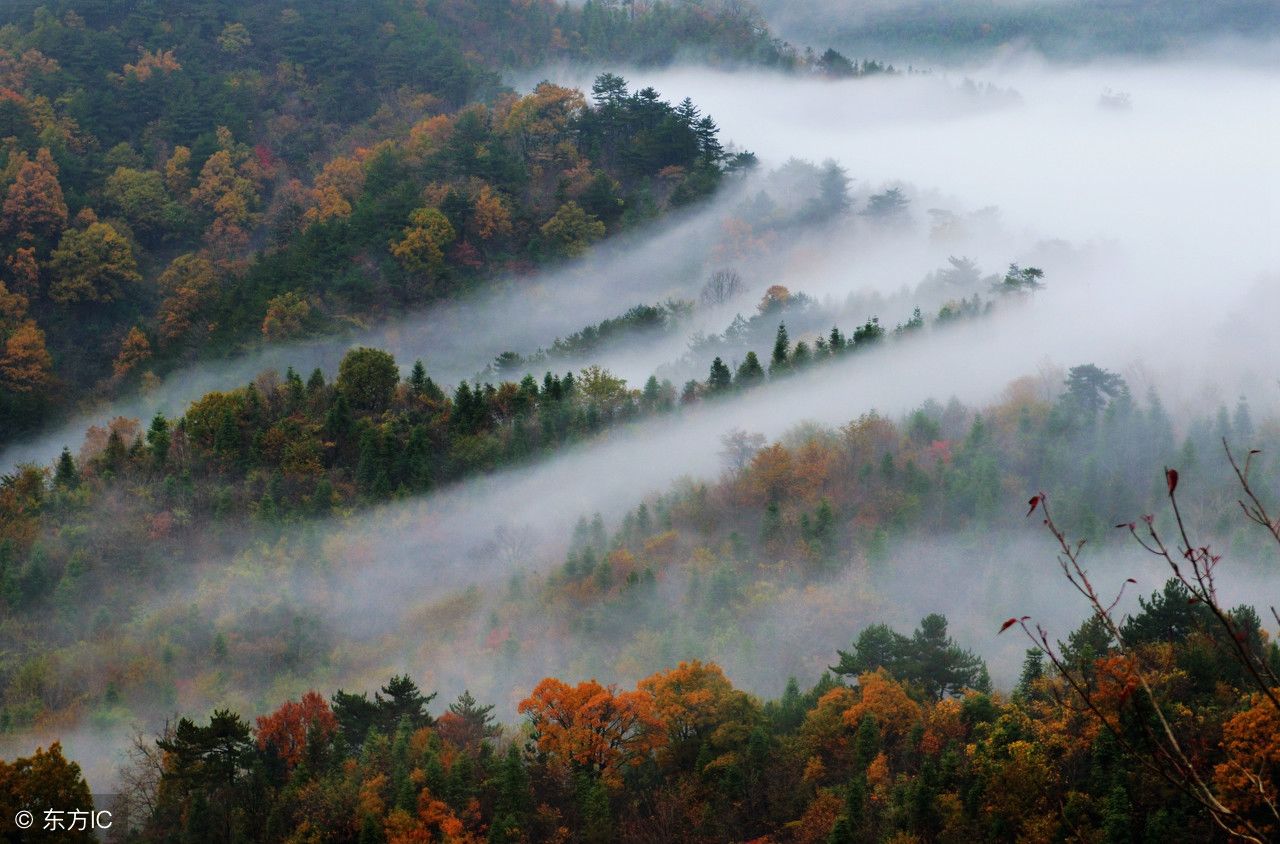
column 158, row 440
column 781, row 351
column 750, row 372
column 720, row 378
column 65, row 475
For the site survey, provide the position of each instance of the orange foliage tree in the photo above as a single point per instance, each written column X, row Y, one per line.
column 289, row 728
column 134, row 350
column 698, row 704
column 34, row 204
column 25, row 366
column 593, row 727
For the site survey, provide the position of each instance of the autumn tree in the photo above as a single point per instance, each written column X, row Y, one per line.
column 134, row 350
column 140, row 197
column 421, row 248
column 24, row 270
column 13, row 308
column 227, row 188
column 337, row 186
column 491, row 215
column 34, row 204
column 286, row 316
column 593, row 728
column 189, row 284
column 26, row 366
column 289, row 730
column 702, row 711
column 177, row 171
column 92, row 265
column 572, row 230
column 40, row 782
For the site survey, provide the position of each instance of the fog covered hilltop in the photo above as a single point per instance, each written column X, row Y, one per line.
column 639, row 421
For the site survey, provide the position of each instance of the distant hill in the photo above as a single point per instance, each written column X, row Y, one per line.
column 933, row 30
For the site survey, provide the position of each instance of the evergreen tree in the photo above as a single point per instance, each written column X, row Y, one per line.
column 750, row 372
column 158, row 440
column 316, row 382
column 513, row 804
column 720, row 378
column 835, row 341
column 65, row 475
column 418, row 378
column 593, row 806
column 781, row 351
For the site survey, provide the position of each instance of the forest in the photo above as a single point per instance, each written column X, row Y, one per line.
column 637, row 421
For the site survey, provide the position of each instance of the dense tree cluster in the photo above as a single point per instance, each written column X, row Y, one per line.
column 179, row 182
column 924, row 751
column 128, row 516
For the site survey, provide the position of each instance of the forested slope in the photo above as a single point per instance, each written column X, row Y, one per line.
column 179, row 181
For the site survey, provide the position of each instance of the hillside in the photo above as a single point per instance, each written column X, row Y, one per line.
column 521, row 421
column 180, row 185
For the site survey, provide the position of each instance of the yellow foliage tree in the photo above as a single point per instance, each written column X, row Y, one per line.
column 285, row 317
column 93, row 264
column 337, row 186
column 699, row 705
column 572, row 230
column 13, row 308
column 177, row 171
column 422, row 247
column 1248, row 779
column 152, row 62
column 492, row 219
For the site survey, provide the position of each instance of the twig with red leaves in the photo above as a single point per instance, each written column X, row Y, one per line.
column 1200, row 584
column 1170, row 762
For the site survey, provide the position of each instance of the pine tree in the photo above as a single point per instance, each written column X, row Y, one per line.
column 866, row 742
column 316, row 382
column 750, row 372
column 513, row 804
column 158, row 440
column 1117, row 816
column 294, row 388
column 417, row 455
column 781, row 351
column 114, row 455
column 226, row 437
column 418, row 378
column 66, row 476
column 835, row 341
column 720, row 378
column 651, row 393
column 338, row 423
column 800, row 356
column 593, row 804
column 372, row 466
column 772, row 526
column 1032, row 670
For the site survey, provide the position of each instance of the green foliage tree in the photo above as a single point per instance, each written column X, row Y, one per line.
column 367, row 379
